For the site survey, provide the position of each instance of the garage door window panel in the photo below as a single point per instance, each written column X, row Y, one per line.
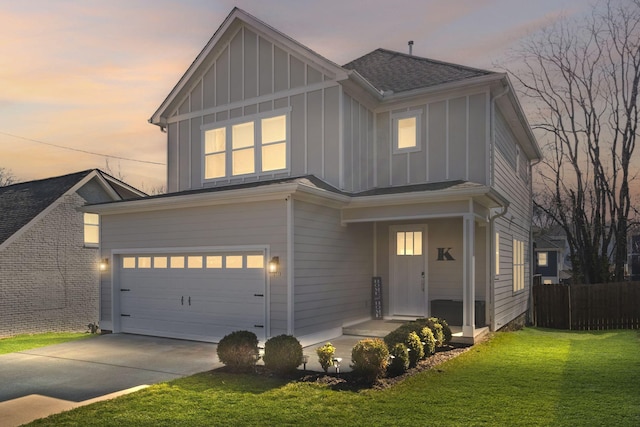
column 234, row 261
column 177, row 262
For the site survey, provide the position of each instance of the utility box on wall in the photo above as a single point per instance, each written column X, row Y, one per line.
column 451, row 311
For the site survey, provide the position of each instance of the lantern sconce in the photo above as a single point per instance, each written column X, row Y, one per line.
column 104, row 264
column 274, row 266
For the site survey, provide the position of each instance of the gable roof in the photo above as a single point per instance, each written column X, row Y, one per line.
column 388, row 70
column 238, row 16
column 22, row 203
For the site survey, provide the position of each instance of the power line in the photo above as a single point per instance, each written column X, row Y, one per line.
column 82, row 151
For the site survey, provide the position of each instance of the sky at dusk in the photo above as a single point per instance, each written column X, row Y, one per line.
column 87, row 75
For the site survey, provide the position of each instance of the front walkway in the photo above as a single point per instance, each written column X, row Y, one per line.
column 380, row 328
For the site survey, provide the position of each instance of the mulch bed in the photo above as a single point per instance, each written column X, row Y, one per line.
column 349, row 382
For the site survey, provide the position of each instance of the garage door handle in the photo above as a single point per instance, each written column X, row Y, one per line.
column 189, row 300
column 258, row 326
column 182, row 300
column 125, row 290
column 258, row 295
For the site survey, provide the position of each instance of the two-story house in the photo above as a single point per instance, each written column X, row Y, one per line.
column 294, row 181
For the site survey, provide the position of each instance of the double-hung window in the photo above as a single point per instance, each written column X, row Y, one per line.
column 91, row 230
column 406, row 131
column 250, row 147
column 518, row 265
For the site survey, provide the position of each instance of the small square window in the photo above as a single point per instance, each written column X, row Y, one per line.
column 543, row 259
column 129, row 262
column 160, row 262
column 177, row 262
column 234, row 261
column 144, row 262
column 194, row 261
column 406, row 132
column 214, row 261
column 255, row 261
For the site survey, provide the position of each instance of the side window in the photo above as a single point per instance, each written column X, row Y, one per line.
column 518, row 265
column 91, row 229
column 406, row 131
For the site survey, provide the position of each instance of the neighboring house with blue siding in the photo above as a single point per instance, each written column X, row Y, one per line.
column 294, row 181
column 49, row 252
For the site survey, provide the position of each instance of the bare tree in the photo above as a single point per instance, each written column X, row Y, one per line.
column 7, row 177
column 582, row 79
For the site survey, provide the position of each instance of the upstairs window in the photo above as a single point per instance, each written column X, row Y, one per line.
column 91, row 229
column 247, row 148
column 406, row 131
column 215, row 153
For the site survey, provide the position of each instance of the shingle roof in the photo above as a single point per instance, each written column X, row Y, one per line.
column 20, row 203
column 393, row 71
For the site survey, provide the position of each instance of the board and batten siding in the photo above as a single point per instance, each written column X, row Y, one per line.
column 358, row 147
column 251, row 75
column 333, row 269
column 248, row 224
column 516, row 224
column 453, row 143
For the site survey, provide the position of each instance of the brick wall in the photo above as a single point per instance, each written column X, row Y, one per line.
column 48, row 279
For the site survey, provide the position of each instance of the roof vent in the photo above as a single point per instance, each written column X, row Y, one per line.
column 410, row 47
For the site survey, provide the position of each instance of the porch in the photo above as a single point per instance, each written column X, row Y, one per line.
column 380, row 328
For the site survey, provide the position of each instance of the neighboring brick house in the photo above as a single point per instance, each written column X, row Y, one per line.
column 49, row 257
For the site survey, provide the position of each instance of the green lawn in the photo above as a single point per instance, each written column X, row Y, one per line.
column 532, row 377
column 26, row 342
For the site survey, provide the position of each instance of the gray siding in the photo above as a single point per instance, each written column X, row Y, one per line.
column 515, row 225
column 358, row 148
column 453, row 143
column 250, row 75
column 333, row 269
column 259, row 224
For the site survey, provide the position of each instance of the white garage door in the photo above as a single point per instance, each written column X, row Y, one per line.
column 202, row 296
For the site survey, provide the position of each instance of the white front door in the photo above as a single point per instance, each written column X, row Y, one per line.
column 408, row 270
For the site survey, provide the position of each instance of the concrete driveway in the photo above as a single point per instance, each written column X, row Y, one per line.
column 64, row 376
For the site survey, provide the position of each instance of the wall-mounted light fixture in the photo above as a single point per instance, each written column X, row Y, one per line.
column 274, row 265
column 104, row 264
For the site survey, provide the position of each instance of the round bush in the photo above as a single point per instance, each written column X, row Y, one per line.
column 325, row 355
column 446, row 331
column 282, row 354
column 370, row 358
column 428, row 341
column 399, row 355
column 239, row 351
column 416, row 350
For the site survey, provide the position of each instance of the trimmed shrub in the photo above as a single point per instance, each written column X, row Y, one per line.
column 428, row 341
column 446, row 331
column 399, row 355
column 370, row 358
column 239, row 351
column 282, row 354
column 416, row 350
column 325, row 355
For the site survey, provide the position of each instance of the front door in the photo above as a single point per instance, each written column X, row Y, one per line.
column 408, row 270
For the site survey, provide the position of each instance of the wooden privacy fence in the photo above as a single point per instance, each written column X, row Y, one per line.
column 587, row 307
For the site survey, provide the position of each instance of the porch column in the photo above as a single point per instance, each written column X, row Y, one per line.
column 469, row 276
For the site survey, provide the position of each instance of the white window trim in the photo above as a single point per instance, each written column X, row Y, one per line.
column 546, row 259
column 497, row 243
column 86, row 224
column 255, row 118
column 518, row 256
column 417, row 114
